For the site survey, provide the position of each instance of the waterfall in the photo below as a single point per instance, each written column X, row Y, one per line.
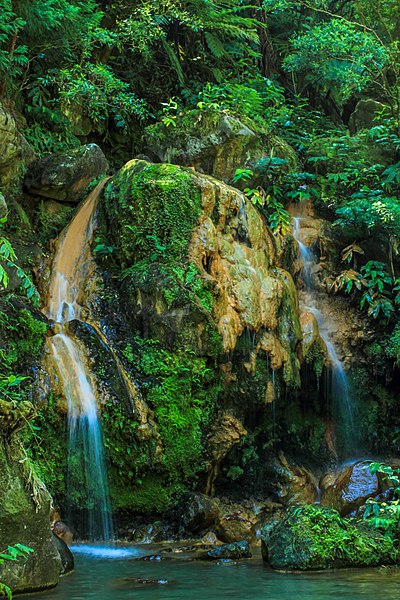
column 338, row 388
column 70, row 272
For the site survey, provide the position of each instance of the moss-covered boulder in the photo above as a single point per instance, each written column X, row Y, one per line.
column 215, row 143
column 25, row 519
column 64, row 177
column 312, row 538
column 198, row 273
column 15, row 152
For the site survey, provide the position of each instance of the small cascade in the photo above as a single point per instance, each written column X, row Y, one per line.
column 86, row 463
column 338, row 388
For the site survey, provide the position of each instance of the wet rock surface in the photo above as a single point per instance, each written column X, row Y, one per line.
column 199, row 512
column 348, row 487
column 292, row 483
column 232, row 551
column 64, row 177
column 67, row 558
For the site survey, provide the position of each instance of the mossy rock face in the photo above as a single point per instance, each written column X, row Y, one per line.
column 314, row 538
column 15, row 152
column 25, row 519
column 215, row 143
column 198, row 273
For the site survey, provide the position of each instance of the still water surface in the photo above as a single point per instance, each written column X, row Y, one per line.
column 107, row 574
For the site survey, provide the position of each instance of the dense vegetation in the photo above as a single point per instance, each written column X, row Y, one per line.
column 321, row 75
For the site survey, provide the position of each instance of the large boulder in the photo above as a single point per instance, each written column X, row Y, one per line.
column 313, row 538
column 14, row 152
column 64, row 177
column 348, row 487
column 215, row 143
column 199, row 275
column 25, row 519
column 365, row 113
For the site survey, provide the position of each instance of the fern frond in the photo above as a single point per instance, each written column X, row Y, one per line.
column 215, row 45
column 174, row 60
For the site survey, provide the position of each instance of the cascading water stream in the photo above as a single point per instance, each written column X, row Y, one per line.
column 338, row 384
column 86, row 463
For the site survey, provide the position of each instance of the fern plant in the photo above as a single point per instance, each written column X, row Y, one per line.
column 13, row 553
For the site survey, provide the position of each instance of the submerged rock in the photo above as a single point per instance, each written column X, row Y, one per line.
column 348, row 487
column 64, row 177
column 232, row 551
column 314, row 538
column 133, row 582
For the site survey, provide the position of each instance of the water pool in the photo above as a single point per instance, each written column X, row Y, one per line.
column 109, row 574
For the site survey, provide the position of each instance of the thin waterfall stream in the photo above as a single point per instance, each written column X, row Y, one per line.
column 70, row 271
column 337, row 379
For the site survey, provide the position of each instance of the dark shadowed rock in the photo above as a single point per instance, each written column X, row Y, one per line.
column 64, row 177
column 15, row 153
column 364, row 114
column 67, row 558
column 235, row 527
column 199, row 512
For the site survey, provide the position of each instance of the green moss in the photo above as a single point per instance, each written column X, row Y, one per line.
column 45, row 440
column 156, row 207
column 315, row 357
column 51, row 222
column 148, row 495
column 182, row 390
column 21, row 341
column 313, row 537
